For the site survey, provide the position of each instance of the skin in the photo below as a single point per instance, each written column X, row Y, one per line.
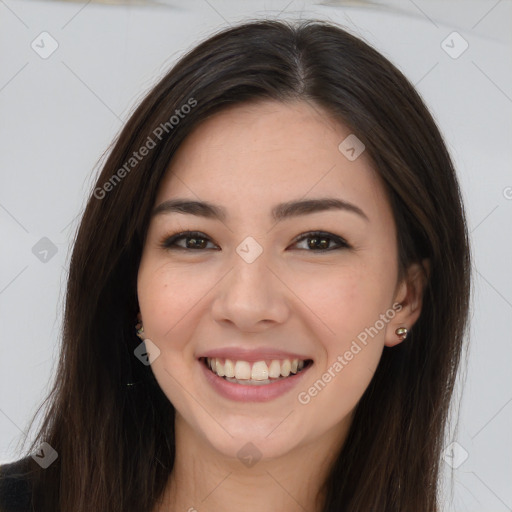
column 247, row 159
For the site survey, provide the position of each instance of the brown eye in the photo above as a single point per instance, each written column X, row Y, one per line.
column 194, row 240
column 316, row 241
column 320, row 241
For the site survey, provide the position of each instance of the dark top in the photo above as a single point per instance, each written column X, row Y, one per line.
column 15, row 487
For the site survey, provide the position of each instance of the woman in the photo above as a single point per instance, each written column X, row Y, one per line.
column 281, row 223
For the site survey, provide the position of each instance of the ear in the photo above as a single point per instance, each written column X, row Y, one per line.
column 408, row 300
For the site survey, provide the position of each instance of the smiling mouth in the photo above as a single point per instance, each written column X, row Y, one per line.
column 255, row 373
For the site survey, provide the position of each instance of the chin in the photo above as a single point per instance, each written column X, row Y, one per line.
column 247, row 439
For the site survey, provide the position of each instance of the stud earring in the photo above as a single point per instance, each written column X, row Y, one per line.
column 401, row 332
column 140, row 330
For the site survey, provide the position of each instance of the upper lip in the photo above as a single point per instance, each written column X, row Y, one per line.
column 252, row 355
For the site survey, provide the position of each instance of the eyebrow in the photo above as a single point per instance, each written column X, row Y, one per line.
column 279, row 212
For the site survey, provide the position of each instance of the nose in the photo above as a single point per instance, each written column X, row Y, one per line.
column 252, row 297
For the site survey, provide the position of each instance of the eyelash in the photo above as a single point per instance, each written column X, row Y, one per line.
column 169, row 241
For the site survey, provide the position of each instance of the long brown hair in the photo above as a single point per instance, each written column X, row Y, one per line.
column 115, row 442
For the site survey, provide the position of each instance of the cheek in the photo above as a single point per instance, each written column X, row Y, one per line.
column 347, row 299
column 351, row 349
column 166, row 296
column 354, row 306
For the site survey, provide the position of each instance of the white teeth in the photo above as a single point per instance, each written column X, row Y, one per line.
column 219, row 369
column 286, row 368
column 261, row 371
column 229, row 368
column 242, row 370
column 274, row 370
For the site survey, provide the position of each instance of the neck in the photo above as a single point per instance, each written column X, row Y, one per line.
column 205, row 480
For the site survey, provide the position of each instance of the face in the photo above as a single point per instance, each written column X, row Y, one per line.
column 258, row 289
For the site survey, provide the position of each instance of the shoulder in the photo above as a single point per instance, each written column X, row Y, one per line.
column 15, row 486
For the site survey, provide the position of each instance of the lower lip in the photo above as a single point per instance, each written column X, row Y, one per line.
column 242, row 393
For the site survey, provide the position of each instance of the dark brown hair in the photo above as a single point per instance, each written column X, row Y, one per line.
column 116, row 442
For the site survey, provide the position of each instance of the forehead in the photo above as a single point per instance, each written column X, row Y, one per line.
column 267, row 152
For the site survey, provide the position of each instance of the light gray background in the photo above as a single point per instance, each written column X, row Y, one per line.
column 59, row 114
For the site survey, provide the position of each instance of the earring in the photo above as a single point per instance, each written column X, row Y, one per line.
column 129, row 383
column 401, row 332
column 140, row 330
